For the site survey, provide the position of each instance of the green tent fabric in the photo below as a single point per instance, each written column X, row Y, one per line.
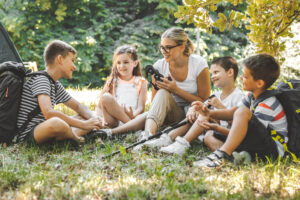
column 8, row 50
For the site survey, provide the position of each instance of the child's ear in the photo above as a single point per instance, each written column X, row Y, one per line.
column 260, row 83
column 136, row 62
column 230, row 72
column 59, row 59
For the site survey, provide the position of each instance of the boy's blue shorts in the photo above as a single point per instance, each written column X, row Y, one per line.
column 258, row 141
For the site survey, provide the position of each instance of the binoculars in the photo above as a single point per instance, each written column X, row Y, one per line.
column 157, row 76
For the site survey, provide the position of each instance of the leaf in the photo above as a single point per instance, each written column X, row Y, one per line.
column 122, row 150
column 221, row 22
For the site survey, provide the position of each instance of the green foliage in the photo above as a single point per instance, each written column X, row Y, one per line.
column 271, row 20
column 95, row 28
column 267, row 20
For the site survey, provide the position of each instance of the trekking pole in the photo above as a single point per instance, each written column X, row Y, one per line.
column 149, row 138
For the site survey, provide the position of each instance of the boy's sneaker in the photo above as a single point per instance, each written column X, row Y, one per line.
column 201, row 138
column 214, row 160
column 144, row 135
column 242, row 157
column 163, row 141
column 178, row 147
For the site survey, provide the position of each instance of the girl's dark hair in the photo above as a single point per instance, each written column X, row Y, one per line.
column 111, row 83
column 263, row 67
column 227, row 63
column 55, row 48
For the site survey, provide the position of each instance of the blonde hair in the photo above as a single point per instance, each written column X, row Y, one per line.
column 180, row 37
column 111, row 83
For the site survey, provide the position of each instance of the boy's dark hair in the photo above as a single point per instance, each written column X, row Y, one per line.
column 227, row 63
column 263, row 67
column 55, row 48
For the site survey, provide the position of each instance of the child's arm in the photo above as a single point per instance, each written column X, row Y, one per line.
column 220, row 114
column 49, row 112
column 142, row 100
column 223, row 114
column 213, row 126
column 80, row 109
column 216, row 103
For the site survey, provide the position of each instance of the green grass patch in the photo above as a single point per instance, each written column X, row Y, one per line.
column 68, row 171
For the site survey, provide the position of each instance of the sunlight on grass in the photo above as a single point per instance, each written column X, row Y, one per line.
column 90, row 98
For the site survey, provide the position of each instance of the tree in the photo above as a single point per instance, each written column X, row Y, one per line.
column 267, row 20
column 95, row 28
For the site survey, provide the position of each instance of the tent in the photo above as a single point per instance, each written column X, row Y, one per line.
column 8, row 50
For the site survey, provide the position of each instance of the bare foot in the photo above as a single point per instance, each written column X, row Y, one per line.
column 77, row 138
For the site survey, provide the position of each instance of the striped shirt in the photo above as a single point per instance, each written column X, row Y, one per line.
column 271, row 114
column 35, row 86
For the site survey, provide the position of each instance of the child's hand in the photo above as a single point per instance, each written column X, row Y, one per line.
column 197, row 105
column 215, row 102
column 92, row 123
column 201, row 107
column 192, row 115
column 207, row 125
column 129, row 111
column 167, row 84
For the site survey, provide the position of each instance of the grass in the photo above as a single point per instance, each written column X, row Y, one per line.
column 68, row 171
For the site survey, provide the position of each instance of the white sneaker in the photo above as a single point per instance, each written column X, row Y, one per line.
column 201, row 138
column 178, row 147
column 163, row 141
column 144, row 135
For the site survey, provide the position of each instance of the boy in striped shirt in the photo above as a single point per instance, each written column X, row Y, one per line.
column 43, row 92
column 251, row 127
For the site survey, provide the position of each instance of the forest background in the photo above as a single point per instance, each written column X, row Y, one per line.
column 95, row 28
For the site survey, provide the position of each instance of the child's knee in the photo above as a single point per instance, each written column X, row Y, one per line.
column 57, row 125
column 106, row 98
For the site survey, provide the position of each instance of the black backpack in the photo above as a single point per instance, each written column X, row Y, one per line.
column 288, row 94
column 12, row 78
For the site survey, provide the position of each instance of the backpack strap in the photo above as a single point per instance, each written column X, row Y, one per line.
column 37, row 109
column 29, row 74
column 277, row 137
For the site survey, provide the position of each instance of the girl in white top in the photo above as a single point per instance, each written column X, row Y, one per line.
column 224, row 71
column 125, row 92
column 190, row 82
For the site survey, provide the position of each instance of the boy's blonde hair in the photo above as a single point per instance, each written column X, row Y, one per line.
column 111, row 83
column 55, row 48
column 180, row 37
